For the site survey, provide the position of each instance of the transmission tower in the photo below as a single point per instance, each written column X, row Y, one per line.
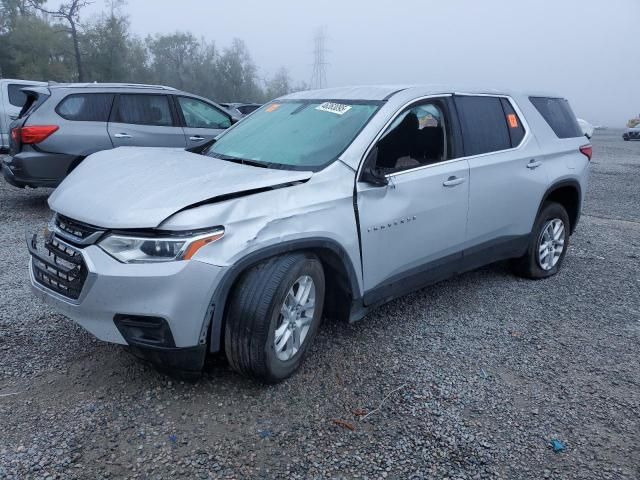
column 319, row 74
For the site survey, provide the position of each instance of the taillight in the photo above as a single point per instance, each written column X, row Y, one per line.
column 587, row 151
column 15, row 134
column 34, row 133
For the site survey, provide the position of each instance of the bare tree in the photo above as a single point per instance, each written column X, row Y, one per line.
column 69, row 12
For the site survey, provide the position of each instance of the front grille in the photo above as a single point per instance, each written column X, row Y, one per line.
column 74, row 228
column 59, row 267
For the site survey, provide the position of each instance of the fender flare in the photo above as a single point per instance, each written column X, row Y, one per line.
column 214, row 319
column 570, row 182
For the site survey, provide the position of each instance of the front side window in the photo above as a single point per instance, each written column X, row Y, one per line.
column 86, row 107
column 141, row 109
column 198, row 114
column 295, row 134
column 16, row 96
column 417, row 137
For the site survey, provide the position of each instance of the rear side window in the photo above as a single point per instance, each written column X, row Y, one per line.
column 514, row 124
column 559, row 116
column 86, row 107
column 16, row 96
column 484, row 126
column 144, row 110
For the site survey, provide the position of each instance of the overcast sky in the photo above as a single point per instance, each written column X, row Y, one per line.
column 585, row 50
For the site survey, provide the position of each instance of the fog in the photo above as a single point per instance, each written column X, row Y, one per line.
column 585, row 50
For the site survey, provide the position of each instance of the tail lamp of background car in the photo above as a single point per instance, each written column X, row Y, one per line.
column 131, row 249
column 587, row 151
column 32, row 134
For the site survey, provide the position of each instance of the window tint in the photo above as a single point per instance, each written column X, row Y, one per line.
column 484, row 126
column 16, row 96
column 559, row 116
column 295, row 135
column 86, row 107
column 198, row 114
column 144, row 110
column 416, row 137
column 514, row 123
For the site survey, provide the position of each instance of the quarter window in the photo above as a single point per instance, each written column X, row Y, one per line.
column 86, row 107
column 198, row 114
column 144, row 110
column 558, row 114
column 417, row 137
column 484, row 124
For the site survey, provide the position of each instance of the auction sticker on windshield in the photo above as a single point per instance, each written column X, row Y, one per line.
column 337, row 108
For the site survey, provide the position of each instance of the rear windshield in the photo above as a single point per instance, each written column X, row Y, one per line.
column 558, row 114
column 295, row 135
column 16, row 96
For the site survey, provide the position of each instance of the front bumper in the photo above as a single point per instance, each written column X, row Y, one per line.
column 176, row 293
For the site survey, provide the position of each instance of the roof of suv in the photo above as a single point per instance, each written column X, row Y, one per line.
column 384, row 92
column 131, row 86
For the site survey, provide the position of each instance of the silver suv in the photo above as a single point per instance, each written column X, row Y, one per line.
column 61, row 124
column 320, row 204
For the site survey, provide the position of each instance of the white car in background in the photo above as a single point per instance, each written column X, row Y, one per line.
column 586, row 127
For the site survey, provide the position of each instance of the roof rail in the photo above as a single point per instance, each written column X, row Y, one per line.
column 112, row 85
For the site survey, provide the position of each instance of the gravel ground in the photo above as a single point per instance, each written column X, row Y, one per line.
column 485, row 370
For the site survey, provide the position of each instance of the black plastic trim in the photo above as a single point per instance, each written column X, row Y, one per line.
column 564, row 183
column 182, row 362
column 446, row 267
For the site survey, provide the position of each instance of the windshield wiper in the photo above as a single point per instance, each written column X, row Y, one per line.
column 242, row 161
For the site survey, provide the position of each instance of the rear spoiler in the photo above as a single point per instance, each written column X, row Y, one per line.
column 35, row 97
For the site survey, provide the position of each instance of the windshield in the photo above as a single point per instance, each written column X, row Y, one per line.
column 295, row 135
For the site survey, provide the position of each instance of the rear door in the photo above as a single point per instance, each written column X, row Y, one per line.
column 145, row 120
column 201, row 120
column 508, row 178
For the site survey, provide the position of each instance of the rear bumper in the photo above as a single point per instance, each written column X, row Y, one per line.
column 175, row 294
column 37, row 169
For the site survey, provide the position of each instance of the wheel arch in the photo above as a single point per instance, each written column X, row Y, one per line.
column 342, row 286
column 567, row 193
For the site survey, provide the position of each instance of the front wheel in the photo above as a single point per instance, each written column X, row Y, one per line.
column 548, row 244
column 273, row 315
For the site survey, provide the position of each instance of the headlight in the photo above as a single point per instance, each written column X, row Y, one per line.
column 130, row 249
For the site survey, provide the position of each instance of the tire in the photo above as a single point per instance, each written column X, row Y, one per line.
column 530, row 265
column 254, row 313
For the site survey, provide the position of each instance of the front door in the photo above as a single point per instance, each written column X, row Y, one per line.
column 202, row 121
column 413, row 229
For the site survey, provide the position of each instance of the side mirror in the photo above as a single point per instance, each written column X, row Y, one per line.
column 370, row 173
column 373, row 176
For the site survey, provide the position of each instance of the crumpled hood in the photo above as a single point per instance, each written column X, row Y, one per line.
column 131, row 187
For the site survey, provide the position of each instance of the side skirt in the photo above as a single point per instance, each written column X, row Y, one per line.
column 475, row 257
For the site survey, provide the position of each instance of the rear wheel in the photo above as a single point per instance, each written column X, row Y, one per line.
column 273, row 315
column 548, row 244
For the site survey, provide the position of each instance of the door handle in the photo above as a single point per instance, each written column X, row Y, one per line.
column 534, row 164
column 196, row 138
column 122, row 135
column 453, row 181
column 13, row 116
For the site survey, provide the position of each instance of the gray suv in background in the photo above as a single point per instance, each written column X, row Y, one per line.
column 61, row 124
column 325, row 203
